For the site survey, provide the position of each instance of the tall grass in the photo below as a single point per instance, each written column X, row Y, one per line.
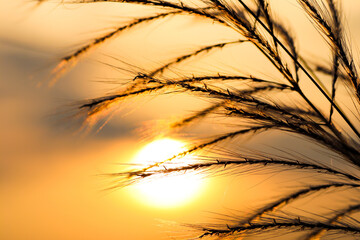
column 254, row 105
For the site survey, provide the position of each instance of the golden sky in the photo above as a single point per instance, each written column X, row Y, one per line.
column 50, row 186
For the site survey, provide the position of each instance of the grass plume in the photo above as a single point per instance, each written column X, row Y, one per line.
column 255, row 104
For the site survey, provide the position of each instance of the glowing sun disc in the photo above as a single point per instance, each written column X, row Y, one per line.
column 170, row 190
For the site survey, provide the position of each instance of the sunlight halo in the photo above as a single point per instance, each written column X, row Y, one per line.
column 171, row 190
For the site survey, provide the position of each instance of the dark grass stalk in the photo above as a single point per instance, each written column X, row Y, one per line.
column 297, row 224
column 296, row 86
column 266, row 49
column 265, row 10
column 184, row 83
column 316, row 234
column 163, row 4
column 252, row 79
column 290, row 41
column 72, row 58
column 274, row 57
column 335, row 77
column 297, row 195
column 300, row 126
column 193, row 54
column 239, row 163
column 335, row 37
column 198, row 147
column 337, row 32
column 67, row 61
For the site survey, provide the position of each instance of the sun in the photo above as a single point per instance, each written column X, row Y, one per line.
column 170, row 190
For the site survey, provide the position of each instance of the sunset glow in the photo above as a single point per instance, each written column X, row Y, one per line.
column 169, row 191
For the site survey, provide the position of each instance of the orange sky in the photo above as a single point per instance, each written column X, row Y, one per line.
column 49, row 184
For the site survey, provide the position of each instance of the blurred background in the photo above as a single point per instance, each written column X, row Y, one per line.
column 50, row 180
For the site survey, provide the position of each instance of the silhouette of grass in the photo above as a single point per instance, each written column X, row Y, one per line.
column 259, row 105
